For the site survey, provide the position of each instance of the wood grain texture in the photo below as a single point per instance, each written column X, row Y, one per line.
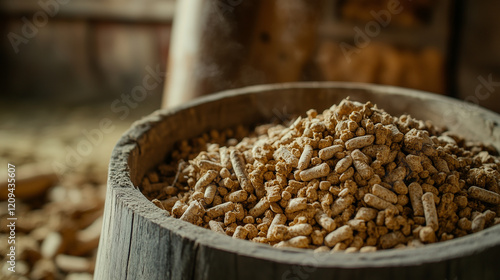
column 140, row 242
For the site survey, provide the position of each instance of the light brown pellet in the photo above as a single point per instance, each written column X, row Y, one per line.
column 210, row 193
column 368, row 249
column 225, row 157
column 259, row 208
column 237, row 196
column 400, row 188
column 206, row 179
column 377, row 202
column 298, row 230
column 240, row 171
column 391, row 239
column 427, row 235
column 285, row 154
column 179, row 208
column 478, row 223
column 325, row 221
column 328, row 152
column 364, row 170
column 297, row 242
column 343, row 164
column 384, row 193
column 484, row 195
column 464, row 224
column 240, row 233
column 209, row 165
column 416, row 192
column 305, row 157
column 358, row 225
column 318, row 171
column 338, row 235
column 279, row 219
column 193, row 212
column 366, row 214
column 431, row 217
column 296, row 204
column 220, row 209
column 216, row 226
column 340, row 204
column 359, row 142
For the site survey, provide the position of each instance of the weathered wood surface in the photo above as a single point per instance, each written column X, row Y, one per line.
column 139, row 242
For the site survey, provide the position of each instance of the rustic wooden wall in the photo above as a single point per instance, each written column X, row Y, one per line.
column 82, row 50
column 478, row 65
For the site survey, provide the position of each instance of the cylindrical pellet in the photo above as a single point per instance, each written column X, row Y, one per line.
column 328, row 152
column 391, row 239
column 240, row 232
column 237, row 196
column 368, row 249
column 377, row 202
column 298, row 230
column 305, row 157
column 340, row 204
column 366, row 214
column 216, row 226
column 225, row 158
column 318, row 171
column 359, row 142
column 259, row 208
column 484, row 195
column 431, row 217
column 325, row 221
column 343, row 164
column 193, row 212
column 427, row 235
column 478, row 223
column 220, row 209
column 464, row 224
column 358, row 225
column 384, row 193
column 179, row 208
column 209, row 165
column 338, row 235
column 400, row 188
column 204, row 180
column 416, row 192
column 358, row 155
column 364, row 170
column 240, row 171
column 297, row 242
column 296, row 204
column 210, row 193
column 279, row 219
column 285, row 154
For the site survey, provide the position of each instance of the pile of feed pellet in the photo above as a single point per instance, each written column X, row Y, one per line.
column 58, row 215
column 353, row 178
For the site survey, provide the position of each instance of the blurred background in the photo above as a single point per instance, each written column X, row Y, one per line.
column 77, row 73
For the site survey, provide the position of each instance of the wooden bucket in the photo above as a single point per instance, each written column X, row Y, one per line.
column 139, row 242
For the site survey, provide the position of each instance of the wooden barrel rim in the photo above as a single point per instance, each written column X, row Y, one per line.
column 130, row 197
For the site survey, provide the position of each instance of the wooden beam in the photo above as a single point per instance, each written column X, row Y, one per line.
column 129, row 10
